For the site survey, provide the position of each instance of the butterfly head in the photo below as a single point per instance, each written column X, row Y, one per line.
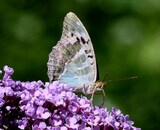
column 99, row 85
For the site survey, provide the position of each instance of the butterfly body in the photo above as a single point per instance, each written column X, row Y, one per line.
column 72, row 60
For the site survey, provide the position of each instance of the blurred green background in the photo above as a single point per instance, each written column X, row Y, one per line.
column 126, row 39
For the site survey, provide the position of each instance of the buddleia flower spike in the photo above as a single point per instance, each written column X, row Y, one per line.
column 52, row 106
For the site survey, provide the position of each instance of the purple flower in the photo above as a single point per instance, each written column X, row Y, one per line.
column 39, row 126
column 8, row 72
column 53, row 106
column 72, row 122
column 22, row 123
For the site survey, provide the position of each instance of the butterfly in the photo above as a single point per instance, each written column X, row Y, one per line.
column 72, row 61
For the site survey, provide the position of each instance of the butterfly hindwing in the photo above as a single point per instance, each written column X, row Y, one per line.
column 72, row 60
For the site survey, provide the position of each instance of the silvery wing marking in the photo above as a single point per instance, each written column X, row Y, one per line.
column 72, row 60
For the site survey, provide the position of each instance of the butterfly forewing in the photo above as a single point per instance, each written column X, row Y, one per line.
column 72, row 26
column 72, row 60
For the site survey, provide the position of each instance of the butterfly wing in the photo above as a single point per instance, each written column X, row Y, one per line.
column 72, row 60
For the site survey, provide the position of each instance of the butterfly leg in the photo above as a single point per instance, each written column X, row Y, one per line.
column 92, row 96
column 92, row 99
column 94, row 90
column 104, row 97
column 76, row 89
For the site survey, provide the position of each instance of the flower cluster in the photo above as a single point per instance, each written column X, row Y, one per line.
column 39, row 106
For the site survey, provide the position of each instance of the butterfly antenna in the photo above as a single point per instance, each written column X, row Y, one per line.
column 105, row 77
column 134, row 77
